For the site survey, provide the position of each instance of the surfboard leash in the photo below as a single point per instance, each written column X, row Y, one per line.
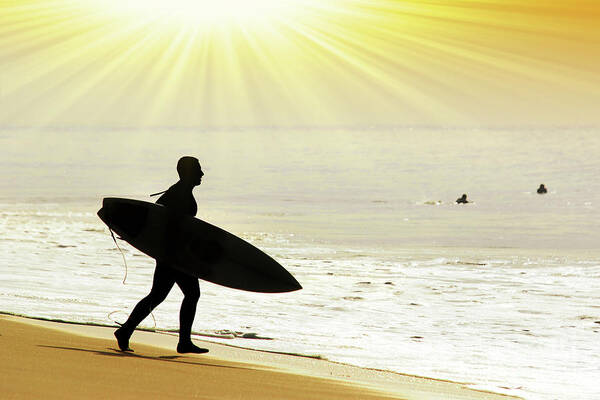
column 120, row 324
column 121, row 251
column 124, row 279
column 112, row 320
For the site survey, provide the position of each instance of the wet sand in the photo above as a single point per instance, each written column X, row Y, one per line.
column 51, row 360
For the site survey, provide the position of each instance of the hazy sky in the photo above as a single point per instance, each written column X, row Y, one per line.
column 294, row 62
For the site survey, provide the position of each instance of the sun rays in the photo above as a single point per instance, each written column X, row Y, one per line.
column 201, row 12
column 229, row 62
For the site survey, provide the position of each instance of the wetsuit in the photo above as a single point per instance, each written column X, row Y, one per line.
column 180, row 200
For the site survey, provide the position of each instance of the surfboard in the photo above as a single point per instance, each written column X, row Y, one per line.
column 195, row 246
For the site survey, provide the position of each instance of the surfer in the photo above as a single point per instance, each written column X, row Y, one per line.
column 462, row 199
column 180, row 200
column 542, row 189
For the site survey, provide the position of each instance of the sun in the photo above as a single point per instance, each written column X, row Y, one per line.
column 202, row 11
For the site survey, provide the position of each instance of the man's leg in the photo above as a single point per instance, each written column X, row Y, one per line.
column 191, row 293
column 163, row 281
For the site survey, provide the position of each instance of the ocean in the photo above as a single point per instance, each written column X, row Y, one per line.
column 502, row 293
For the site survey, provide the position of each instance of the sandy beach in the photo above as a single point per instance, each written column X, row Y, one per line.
column 44, row 359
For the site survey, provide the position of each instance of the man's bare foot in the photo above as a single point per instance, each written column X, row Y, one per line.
column 123, row 339
column 189, row 347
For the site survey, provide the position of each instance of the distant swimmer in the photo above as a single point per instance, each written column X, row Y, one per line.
column 462, row 199
column 542, row 189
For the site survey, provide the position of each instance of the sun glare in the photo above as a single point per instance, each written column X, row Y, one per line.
column 204, row 11
column 224, row 62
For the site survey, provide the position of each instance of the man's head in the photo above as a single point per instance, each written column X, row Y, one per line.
column 189, row 170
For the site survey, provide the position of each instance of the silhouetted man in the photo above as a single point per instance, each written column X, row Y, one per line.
column 180, row 201
column 542, row 189
column 462, row 199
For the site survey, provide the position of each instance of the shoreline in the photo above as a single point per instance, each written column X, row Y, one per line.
column 23, row 348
